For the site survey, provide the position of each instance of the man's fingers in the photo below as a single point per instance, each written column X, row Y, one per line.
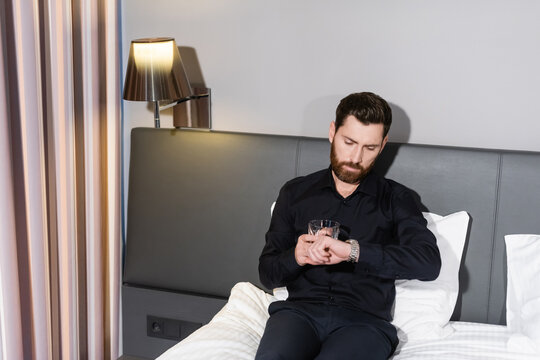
column 318, row 253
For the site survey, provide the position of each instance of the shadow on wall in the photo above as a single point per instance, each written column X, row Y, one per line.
column 197, row 112
column 400, row 131
column 192, row 66
column 321, row 111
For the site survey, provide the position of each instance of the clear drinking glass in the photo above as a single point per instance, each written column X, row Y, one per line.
column 324, row 227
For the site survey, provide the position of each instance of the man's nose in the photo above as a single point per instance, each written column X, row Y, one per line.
column 356, row 155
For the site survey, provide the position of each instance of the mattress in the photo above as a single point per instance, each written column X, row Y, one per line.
column 235, row 331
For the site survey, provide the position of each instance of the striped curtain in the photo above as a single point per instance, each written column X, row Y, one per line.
column 60, row 161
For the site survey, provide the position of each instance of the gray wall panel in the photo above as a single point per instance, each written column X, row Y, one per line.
column 313, row 155
column 518, row 213
column 187, row 187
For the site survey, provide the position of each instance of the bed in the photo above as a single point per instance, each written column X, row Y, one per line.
column 199, row 205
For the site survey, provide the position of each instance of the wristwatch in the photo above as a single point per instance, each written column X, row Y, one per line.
column 355, row 250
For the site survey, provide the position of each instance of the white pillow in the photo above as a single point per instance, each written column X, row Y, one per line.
column 422, row 309
column 523, row 292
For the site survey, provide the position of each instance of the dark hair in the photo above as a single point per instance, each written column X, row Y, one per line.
column 367, row 107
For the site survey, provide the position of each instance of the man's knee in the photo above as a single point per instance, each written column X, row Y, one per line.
column 357, row 342
column 288, row 336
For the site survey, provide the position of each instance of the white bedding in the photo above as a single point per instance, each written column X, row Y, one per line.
column 235, row 331
column 470, row 341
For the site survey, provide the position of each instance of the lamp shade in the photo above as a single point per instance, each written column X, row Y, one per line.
column 155, row 71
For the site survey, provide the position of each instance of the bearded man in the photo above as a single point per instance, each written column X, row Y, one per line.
column 341, row 291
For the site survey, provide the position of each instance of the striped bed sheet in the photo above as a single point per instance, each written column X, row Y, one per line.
column 470, row 341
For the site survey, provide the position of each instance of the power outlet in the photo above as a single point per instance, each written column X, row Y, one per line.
column 170, row 329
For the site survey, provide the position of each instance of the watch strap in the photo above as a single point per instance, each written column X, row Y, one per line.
column 355, row 250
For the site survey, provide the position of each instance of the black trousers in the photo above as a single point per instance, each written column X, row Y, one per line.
column 297, row 330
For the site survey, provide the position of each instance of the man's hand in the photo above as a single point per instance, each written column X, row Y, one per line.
column 320, row 250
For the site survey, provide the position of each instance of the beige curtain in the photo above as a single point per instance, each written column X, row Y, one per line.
column 60, row 223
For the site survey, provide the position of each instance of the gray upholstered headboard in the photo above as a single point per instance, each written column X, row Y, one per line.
column 199, row 206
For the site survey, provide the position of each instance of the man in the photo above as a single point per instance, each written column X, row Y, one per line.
column 341, row 291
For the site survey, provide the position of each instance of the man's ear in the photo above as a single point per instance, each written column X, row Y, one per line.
column 385, row 140
column 332, row 131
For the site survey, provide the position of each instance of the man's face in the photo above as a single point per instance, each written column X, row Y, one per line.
column 355, row 148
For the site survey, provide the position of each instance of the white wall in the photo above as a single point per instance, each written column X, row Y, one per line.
column 456, row 72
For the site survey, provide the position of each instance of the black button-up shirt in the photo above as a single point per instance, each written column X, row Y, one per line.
column 381, row 214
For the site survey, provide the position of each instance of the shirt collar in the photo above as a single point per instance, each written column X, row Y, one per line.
column 367, row 186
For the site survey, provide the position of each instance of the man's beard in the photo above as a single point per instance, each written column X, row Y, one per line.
column 349, row 177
